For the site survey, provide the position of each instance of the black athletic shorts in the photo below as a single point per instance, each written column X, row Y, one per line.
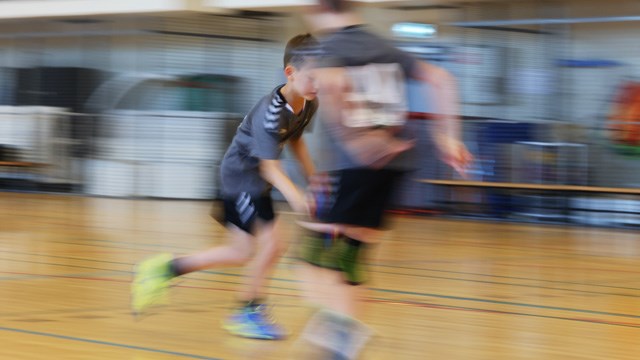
column 356, row 196
column 244, row 210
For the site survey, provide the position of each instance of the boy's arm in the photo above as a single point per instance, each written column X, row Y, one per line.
column 272, row 171
column 447, row 136
column 301, row 152
column 266, row 147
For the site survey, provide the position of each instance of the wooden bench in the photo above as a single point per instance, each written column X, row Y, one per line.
column 526, row 186
column 21, row 164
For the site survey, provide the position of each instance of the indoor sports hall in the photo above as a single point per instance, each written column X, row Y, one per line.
column 115, row 117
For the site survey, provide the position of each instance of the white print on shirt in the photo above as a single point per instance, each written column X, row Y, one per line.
column 272, row 115
column 377, row 96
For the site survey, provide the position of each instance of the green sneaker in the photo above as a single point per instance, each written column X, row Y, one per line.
column 150, row 283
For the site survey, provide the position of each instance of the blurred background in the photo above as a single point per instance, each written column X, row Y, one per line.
column 139, row 99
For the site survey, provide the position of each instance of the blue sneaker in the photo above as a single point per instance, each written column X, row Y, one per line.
column 254, row 323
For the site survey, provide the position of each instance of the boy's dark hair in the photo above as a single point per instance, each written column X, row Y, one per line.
column 299, row 49
column 336, row 6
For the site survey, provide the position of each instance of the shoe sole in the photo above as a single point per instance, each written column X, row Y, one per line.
column 234, row 331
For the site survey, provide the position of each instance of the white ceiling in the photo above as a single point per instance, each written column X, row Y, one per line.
column 20, row 9
column 17, row 9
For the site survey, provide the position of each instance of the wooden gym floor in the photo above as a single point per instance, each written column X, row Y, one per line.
column 441, row 289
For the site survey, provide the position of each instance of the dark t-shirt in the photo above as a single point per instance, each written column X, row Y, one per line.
column 355, row 47
column 261, row 136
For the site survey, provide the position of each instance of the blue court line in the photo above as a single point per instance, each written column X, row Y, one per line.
column 225, row 273
column 382, row 290
column 500, row 276
column 388, row 290
column 509, row 303
column 38, row 276
column 430, row 277
column 61, row 222
column 509, row 284
column 134, row 246
column 460, row 298
column 558, row 251
column 64, row 265
column 107, row 343
column 66, row 257
column 130, row 265
column 378, row 265
column 501, row 312
column 372, row 265
column 595, row 321
column 222, row 273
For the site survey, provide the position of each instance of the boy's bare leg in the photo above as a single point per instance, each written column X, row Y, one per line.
column 270, row 247
column 327, row 289
column 252, row 318
column 334, row 328
column 237, row 252
column 153, row 276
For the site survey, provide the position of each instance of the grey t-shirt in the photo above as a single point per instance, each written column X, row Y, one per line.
column 261, row 136
column 355, row 46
